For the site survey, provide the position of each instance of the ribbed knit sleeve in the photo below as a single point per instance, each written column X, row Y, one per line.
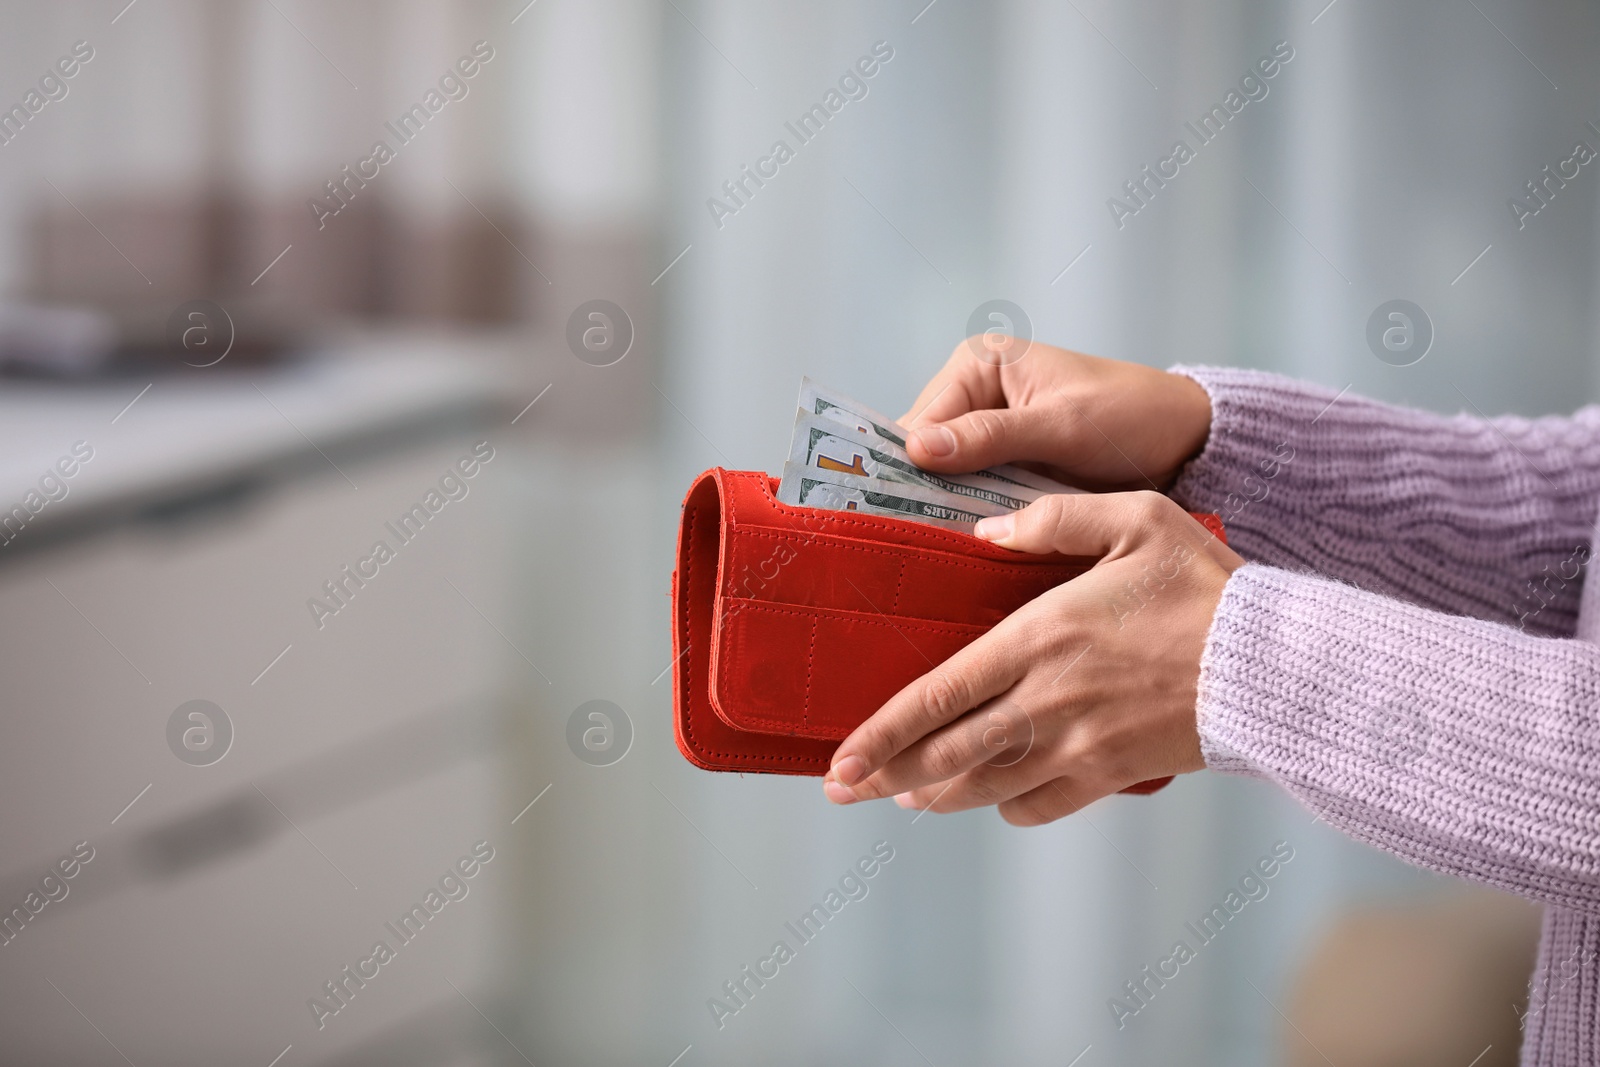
column 1562, row 1025
column 1463, row 746
column 1490, row 518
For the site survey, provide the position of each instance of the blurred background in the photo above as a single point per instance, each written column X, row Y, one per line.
column 276, row 343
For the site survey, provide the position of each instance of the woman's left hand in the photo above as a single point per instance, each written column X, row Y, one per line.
column 1082, row 692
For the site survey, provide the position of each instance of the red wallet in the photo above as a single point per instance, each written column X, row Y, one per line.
column 792, row 625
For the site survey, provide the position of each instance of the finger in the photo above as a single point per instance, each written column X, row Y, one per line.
column 1090, row 524
column 963, row 384
column 983, row 670
column 980, row 787
column 1053, row 800
column 1001, row 732
column 990, row 436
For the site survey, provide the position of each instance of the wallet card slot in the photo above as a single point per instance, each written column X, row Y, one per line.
column 804, row 568
column 805, row 671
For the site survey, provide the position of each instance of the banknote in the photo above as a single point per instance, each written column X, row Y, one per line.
column 825, row 403
column 833, row 447
column 808, row 487
column 820, row 401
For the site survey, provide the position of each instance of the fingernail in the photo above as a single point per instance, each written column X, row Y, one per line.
column 904, row 800
column 937, row 440
column 996, row 527
column 837, row 793
column 850, row 770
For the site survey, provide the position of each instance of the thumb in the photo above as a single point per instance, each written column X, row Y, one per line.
column 1092, row 524
column 984, row 438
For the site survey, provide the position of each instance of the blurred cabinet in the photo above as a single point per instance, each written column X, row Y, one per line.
column 223, row 895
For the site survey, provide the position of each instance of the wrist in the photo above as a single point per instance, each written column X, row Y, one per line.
column 1194, row 403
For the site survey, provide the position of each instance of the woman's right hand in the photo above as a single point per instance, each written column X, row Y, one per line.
column 1096, row 423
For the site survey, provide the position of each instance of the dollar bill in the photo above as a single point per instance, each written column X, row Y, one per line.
column 832, row 447
column 808, row 487
column 824, row 403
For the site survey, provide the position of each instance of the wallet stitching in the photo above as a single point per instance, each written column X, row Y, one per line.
column 837, row 519
column 688, row 668
column 894, row 605
column 688, row 675
column 811, row 664
column 905, row 551
column 882, row 618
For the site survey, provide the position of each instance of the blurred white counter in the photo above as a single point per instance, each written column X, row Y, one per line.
column 159, row 443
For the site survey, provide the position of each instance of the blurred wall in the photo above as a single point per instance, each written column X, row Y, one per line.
column 1377, row 166
column 977, row 163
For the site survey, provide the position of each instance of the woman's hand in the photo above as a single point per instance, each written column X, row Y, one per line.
column 1095, row 423
column 1077, row 694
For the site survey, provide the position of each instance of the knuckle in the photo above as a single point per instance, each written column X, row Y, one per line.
column 946, row 695
column 1152, row 508
column 873, row 787
column 946, row 756
column 1085, row 747
column 968, row 355
column 981, row 789
column 1090, row 765
column 1026, row 810
column 1049, row 512
column 985, row 429
column 1099, row 753
column 967, row 347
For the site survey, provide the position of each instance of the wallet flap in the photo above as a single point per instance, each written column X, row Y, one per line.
column 819, row 672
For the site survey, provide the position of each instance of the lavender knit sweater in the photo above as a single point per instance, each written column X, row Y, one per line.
column 1408, row 651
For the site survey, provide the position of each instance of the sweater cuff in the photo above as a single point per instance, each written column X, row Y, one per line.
column 1489, row 519
column 1254, row 418
column 1323, row 687
column 1247, row 725
column 1460, row 745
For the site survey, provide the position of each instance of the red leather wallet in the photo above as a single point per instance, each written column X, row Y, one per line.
column 792, row 625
